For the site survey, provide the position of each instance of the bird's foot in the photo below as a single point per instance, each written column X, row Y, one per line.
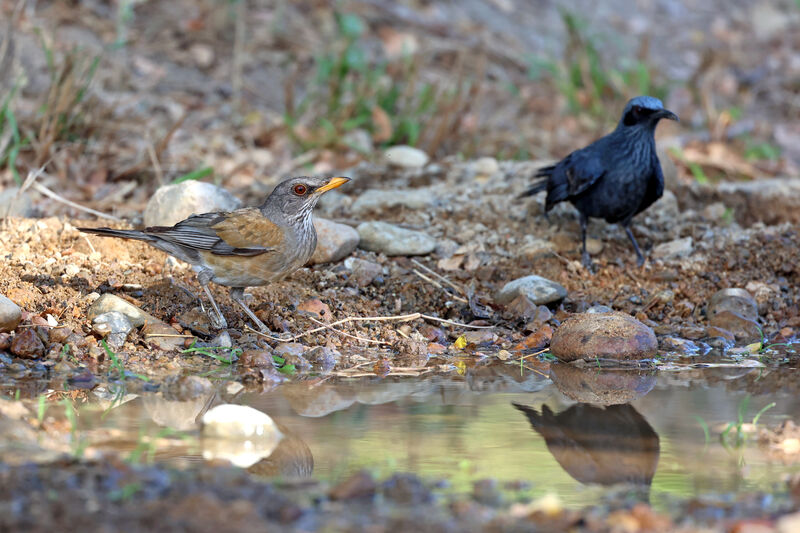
column 640, row 261
column 586, row 261
column 217, row 320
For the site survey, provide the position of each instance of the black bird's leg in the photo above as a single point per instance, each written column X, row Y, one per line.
column 585, row 259
column 639, row 256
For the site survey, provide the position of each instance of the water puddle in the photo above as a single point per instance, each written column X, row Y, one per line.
column 664, row 436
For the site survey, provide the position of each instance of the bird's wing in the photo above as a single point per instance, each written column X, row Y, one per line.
column 655, row 185
column 244, row 232
column 582, row 169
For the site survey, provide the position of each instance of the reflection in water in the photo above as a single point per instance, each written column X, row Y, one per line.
column 602, row 386
column 603, row 445
column 291, row 459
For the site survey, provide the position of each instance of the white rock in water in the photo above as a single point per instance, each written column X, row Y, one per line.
column 172, row 203
column 239, row 434
column 405, row 157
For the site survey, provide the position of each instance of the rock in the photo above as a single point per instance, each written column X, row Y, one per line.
column 599, row 309
column 229, row 421
column 673, row 249
column 768, row 200
column 678, row 345
column 735, row 300
column 479, row 336
column 601, row 386
column 374, row 200
column 715, row 332
column 381, row 237
column 362, row 272
column 405, row 157
column 322, row 358
column 537, row 289
column 161, row 336
column 10, row 314
column 485, row 167
column 315, row 308
column 290, row 349
column 11, row 206
column 603, row 335
column 256, row 359
column 334, row 241
column 744, row 329
column 359, row 485
column 594, row 246
column 109, row 302
column 173, row 203
column 534, row 248
column 114, row 326
column 486, row 492
column 27, row 344
column 406, row 489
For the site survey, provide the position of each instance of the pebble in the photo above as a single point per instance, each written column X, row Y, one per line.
column 334, row 241
column 256, row 359
column 27, row 344
column 158, row 328
column 362, row 272
column 594, row 246
column 173, row 203
column 537, row 289
column 673, row 249
column 405, row 157
column 114, row 326
column 487, row 492
column 605, row 335
column 109, row 302
column 315, row 308
column 10, row 314
column 736, row 300
column 385, row 238
column 678, row 345
column 744, row 329
column 406, row 489
column 359, row 485
column 322, row 358
column 374, row 200
column 290, row 349
column 485, row 167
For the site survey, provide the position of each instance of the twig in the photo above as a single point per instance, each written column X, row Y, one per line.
column 444, row 279
column 47, row 192
column 340, row 332
column 436, row 283
column 151, row 151
column 169, row 335
column 395, row 318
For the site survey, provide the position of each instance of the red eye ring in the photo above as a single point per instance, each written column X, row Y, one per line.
column 300, row 189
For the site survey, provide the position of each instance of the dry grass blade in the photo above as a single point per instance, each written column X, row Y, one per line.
column 437, row 284
column 439, row 276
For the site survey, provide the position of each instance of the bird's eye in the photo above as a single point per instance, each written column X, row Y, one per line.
column 637, row 109
column 300, row 189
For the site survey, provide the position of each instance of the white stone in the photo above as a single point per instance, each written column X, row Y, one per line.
column 405, row 157
column 385, row 238
column 172, row 203
column 537, row 289
column 334, row 241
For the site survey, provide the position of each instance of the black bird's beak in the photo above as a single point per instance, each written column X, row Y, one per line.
column 666, row 113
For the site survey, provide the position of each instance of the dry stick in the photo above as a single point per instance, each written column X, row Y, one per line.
column 47, row 192
column 444, row 279
column 151, row 151
column 349, row 335
column 434, row 282
column 395, row 318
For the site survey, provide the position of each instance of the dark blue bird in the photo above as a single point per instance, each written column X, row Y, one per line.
column 615, row 177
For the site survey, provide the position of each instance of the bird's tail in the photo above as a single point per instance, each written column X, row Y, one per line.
column 120, row 233
column 544, row 173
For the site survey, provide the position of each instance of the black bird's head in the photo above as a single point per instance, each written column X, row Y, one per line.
column 644, row 111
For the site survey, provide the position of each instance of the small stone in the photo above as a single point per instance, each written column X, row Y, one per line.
column 374, row 200
column 223, row 340
column 322, row 358
column 603, row 335
column 486, row 492
column 407, row 489
column 537, row 248
column 334, row 241
column 736, row 300
column 594, row 246
column 673, row 249
column 744, row 330
column 71, row 270
column 405, row 157
column 162, row 336
column 362, row 272
column 10, row 314
column 480, row 336
column 359, row 485
column 110, row 302
column 315, row 308
column 381, row 237
column 537, row 289
column 715, row 332
column 173, row 203
column 114, row 326
column 290, row 349
column 27, row 344
column 678, row 345
column 599, row 309
column 256, row 359
column 202, row 54
column 485, row 167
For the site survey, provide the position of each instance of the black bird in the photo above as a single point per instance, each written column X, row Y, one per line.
column 615, row 177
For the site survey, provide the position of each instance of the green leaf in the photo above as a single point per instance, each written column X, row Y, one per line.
column 197, row 174
column 350, row 26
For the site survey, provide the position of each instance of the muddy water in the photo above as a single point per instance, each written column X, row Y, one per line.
column 648, row 440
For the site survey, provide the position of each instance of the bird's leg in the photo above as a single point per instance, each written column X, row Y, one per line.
column 585, row 258
column 217, row 320
column 237, row 295
column 639, row 256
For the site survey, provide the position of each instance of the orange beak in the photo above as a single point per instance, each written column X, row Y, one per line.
column 332, row 184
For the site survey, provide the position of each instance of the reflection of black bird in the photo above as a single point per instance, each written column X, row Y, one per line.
column 615, row 177
column 600, row 445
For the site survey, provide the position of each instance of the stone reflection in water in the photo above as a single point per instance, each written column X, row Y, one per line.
column 603, row 445
column 603, row 386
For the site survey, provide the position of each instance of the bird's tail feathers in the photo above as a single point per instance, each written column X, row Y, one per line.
column 539, row 185
column 120, row 233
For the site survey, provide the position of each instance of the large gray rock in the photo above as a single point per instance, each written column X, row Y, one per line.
column 334, row 241
column 10, row 314
column 389, row 239
column 405, row 157
column 173, row 203
column 12, row 206
column 378, row 200
column 109, row 302
column 114, row 326
column 673, row 249
column 769, row 200
column 603, row 335
column 537, row 289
